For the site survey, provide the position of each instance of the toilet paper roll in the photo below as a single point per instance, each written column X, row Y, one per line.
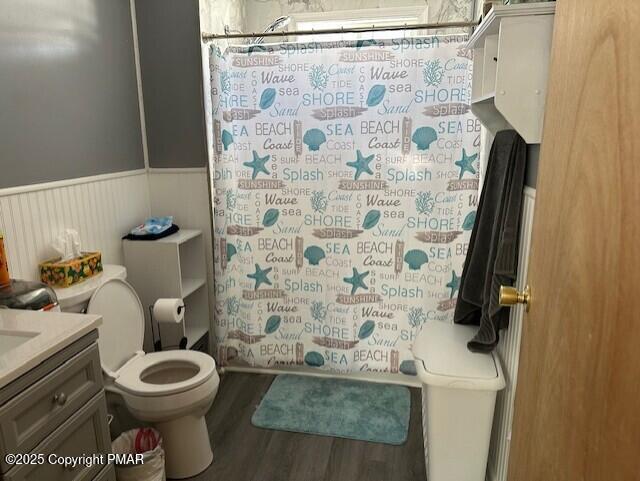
column 168, row 310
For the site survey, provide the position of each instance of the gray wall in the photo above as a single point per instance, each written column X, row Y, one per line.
column 171, row 64
column 68, row 91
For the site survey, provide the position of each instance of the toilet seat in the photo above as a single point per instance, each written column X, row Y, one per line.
column 131, row 379
column 120, row 341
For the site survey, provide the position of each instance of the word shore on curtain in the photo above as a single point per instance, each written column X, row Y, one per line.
column 345, row 184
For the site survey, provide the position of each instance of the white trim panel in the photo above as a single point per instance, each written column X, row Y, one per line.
column 136, row 56
column 21, row 189
column 101, row 208
column 509, row 353
column 177, row 170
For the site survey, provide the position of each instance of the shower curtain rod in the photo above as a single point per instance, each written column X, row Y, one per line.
column 372, row 28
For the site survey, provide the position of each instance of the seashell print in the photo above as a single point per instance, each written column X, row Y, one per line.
column 408, row 367
column 423, row 137
column 270, row 217
column 366, row 329
column 314, row 138
column 314, row 359
column 371, row 219
column 376, row 94
column 314, row 255
column 227, row 139
column 469, row 220
column 415, row 258
column 267, row 98
column 231, row 251
column 272, row 325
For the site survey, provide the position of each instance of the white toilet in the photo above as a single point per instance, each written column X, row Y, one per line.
column 173, row 390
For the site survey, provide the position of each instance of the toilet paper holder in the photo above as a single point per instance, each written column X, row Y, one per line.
column 157, row 343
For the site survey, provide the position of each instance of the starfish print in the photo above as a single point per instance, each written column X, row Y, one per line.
column 453, row 284
column 465, row 163
column 356, row 280
column 361, row 164
column 260, row 276
column 257, row 164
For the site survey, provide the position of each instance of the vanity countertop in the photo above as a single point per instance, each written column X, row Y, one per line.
column 27, row 338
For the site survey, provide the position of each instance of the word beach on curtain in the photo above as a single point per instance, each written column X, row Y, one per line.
column 345, row 180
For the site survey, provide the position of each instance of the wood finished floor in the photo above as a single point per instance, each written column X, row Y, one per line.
column 243, row 452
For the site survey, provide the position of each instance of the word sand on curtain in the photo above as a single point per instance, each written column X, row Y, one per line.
column 345, row 180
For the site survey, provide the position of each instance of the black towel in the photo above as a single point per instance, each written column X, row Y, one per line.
column 492, row 258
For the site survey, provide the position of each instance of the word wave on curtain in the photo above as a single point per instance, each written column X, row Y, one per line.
column 345, row 180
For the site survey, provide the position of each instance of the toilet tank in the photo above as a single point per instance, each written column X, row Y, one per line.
column 76, row 297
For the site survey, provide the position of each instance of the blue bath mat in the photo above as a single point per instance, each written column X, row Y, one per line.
column 341, row 408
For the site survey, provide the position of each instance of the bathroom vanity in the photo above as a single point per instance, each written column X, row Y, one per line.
column 52, row 399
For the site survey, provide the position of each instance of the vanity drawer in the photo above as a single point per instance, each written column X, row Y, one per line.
column 36, row 412
column 85, row 433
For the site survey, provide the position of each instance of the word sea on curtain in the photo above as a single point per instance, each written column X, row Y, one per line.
column 345, row 180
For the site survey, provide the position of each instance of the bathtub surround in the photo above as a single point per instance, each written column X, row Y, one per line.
column 215, row 14
column 492, row 259
column 342, row 228
column 264, row 11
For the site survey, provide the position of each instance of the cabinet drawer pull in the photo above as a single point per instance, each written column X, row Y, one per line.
column 60, row 399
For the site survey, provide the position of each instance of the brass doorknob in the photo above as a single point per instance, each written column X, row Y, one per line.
column 509, row 296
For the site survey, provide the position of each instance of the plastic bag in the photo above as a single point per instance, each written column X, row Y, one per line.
column 145, row 441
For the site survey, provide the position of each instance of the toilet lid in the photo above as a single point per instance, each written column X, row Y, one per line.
column 122, row 331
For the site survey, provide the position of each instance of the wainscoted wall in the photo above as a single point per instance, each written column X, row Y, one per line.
column 509, row 352
column 184, row 193
column 102, row 208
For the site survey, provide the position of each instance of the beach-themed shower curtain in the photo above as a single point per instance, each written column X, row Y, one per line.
column 345, row 183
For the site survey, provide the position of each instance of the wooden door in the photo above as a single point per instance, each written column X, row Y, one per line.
column 577, row 412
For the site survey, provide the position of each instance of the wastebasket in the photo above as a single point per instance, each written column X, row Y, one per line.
column 459, row 390
column 145, row 441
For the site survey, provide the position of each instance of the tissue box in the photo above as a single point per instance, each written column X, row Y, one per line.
column 57, row 273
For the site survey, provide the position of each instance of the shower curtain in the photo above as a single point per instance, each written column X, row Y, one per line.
column 345, row 183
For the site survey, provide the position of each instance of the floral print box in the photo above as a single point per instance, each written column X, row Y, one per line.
column 64, row 274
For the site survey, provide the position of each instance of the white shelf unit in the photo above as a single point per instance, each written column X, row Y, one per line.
column 171, row 267
column 510, row 68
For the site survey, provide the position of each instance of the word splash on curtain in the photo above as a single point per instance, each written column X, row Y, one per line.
column 345, row 184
